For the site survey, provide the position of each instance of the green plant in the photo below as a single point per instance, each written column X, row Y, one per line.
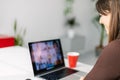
column 71, row 22
column 102, row 30
column 100, row 46
column 68, row 7
column 99, row 26
column 19, row 35
column 68, row 11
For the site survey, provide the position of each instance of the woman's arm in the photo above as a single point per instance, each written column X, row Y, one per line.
column 107, row 66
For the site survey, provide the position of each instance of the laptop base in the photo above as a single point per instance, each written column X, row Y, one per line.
column 59, row 74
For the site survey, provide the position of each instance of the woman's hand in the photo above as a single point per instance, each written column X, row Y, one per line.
column 82, row 78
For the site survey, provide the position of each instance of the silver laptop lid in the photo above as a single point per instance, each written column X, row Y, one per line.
column 46, row 56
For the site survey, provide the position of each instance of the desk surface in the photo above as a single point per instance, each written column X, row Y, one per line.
column 15, row 62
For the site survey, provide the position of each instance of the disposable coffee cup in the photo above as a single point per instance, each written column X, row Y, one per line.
column 72, row 59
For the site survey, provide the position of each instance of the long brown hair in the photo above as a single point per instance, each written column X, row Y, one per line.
column 111, row 6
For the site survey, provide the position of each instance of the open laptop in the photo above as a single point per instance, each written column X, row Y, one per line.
column 48, row 60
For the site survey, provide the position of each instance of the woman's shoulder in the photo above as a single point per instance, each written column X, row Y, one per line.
column 110, row 54
column 117, row 41
column 112, row 48
column 107, row 66
column 114, row 44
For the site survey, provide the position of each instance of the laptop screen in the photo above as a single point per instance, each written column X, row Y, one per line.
column 46, row 55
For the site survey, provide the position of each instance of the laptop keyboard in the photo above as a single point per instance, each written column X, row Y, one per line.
column 59, row 74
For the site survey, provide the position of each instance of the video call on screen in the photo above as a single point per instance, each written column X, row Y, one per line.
column 46, row 55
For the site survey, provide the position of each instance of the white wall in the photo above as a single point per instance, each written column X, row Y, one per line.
column 85, row 11
column 43, row 19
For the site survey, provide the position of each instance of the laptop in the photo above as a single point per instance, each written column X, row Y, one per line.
column 48, row 61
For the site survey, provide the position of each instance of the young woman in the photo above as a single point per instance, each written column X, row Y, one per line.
column 108, row 65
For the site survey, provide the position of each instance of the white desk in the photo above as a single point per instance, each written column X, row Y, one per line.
column 15, row 64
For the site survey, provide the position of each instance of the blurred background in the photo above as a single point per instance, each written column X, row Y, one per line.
column 46, row 19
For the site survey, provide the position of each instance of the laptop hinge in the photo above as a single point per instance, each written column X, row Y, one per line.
column 51, row 71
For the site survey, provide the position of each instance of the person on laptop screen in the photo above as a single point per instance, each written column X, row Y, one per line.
column 57, row 51
column 108, row 65
column 46, row 55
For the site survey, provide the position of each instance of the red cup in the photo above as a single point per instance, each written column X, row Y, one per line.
column 72, row 59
